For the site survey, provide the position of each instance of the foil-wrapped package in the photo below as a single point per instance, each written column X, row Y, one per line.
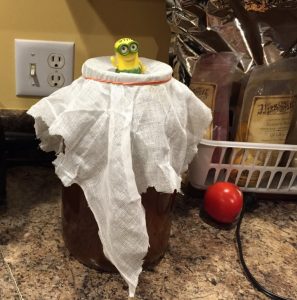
column 257, row 31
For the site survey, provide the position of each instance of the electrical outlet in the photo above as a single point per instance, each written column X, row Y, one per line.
column 56, row 79
column 42, row 67
column 56, row 60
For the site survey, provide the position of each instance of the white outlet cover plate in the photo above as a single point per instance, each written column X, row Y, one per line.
column 36, row 52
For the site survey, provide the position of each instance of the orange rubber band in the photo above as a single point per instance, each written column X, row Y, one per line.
column 129, row 83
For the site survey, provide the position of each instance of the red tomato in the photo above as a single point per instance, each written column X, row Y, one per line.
column 223, row 201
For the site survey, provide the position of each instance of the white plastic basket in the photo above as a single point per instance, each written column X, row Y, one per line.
column 215, row 162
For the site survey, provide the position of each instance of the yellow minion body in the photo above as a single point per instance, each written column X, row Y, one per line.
column 126, row 57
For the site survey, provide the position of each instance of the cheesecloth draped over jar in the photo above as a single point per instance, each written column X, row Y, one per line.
column 115, row 135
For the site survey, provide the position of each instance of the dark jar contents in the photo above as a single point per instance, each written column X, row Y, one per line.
column 80, row 230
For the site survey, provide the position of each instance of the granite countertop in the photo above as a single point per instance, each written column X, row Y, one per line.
column 201, row 262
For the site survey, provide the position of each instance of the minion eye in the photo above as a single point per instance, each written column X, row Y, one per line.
column 124, row 50
column 133, row 47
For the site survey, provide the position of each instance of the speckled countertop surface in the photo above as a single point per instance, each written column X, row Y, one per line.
column 201, row 263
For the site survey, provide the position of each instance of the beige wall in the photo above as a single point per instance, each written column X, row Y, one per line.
column 93, row 25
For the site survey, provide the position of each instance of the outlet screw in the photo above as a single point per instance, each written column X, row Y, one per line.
column 32, row 54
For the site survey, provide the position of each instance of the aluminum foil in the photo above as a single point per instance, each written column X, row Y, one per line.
column 258, row 32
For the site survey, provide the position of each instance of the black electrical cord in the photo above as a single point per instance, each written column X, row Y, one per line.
column 247, row 272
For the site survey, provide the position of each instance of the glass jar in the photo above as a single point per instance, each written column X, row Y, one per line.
column 80, row 230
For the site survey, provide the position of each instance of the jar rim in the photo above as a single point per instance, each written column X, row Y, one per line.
column 100, row 69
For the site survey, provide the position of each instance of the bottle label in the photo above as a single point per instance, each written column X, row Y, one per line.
column 268, row 122
column 206, row 92
column 270, row 119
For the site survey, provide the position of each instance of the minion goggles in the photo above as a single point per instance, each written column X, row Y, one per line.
column 125, row 49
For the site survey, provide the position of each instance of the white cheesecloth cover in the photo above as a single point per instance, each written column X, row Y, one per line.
column 115, row 135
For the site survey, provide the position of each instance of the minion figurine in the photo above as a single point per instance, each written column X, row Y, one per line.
column 126, row 57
